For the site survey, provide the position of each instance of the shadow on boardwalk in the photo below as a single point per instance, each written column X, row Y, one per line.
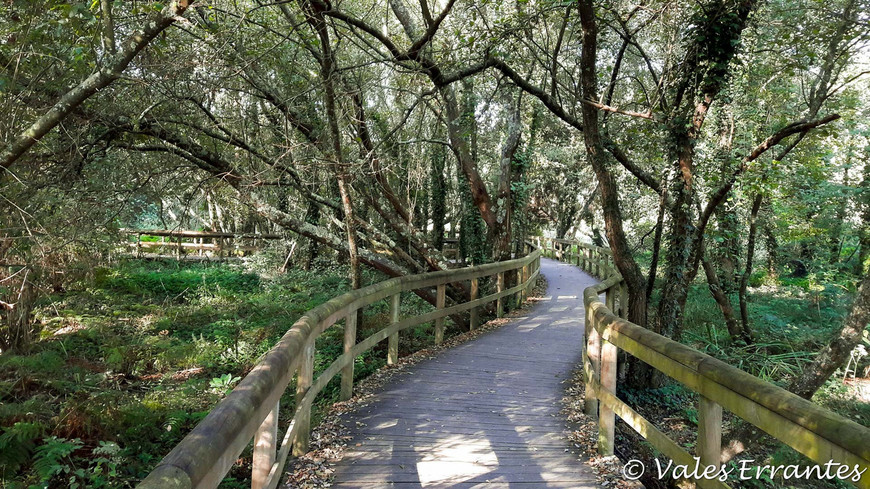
column 484, row 414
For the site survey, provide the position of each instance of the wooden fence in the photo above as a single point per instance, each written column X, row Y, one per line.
column 180, row 242
column 819, row 434
column 250, row 412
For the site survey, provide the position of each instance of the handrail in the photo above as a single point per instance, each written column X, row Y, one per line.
column 204, row 457
column 818, row 433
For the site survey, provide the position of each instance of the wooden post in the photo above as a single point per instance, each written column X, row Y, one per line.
column 592, row 366
column 178, row 250
column 606, row 417
column 499, row 303
column 709, row 446
column 609, row 297
column 265, row 449
column 138, row 245
column 526, row 274
column 518, row 297
column 304, row 378
column 349, row 342
column 393, row 346
column 440, row 296
column 475, row 292
column 579, row 254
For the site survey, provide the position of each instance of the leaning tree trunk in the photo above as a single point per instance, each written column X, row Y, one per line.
column 722, row 300
column 838, row 351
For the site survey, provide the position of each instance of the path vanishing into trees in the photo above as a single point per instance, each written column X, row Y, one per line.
column 483, row 414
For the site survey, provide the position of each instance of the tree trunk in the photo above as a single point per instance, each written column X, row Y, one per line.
column 747, row 271
column 838, row 351
column 328, row 73
column 438, row 197
column 501, row 232
column 722, row 300
column 595, row 152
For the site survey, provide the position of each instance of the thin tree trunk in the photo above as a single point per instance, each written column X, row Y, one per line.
column 657, row 242
column 722, row 300
column 328, row 73
column 747, row 271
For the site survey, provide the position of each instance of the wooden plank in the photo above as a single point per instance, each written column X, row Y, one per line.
column 475, row 292
column 393, row 347
column 265, row 450
column 495, row 399
column 709, row 445
column 303, row 410
column 349, row 342
column 440, row 296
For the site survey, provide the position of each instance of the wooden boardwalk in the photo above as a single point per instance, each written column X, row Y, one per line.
column 484, row 414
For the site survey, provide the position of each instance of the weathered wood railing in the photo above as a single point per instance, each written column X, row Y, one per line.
column 180, row 241
column 821, row 435
column 250, row 411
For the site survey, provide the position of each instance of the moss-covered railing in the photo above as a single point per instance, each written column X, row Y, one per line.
column 821, row 435
column 250, row 412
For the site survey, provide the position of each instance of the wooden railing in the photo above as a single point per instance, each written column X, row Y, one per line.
column 180, row 241
column 250, row 411
column 821, row 435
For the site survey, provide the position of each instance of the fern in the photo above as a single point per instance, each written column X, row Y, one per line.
column 52, row 458
column 17, row 444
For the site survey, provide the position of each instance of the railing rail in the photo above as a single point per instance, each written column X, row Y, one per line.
column 181, row 241
column 818, row 433
column 250, row 412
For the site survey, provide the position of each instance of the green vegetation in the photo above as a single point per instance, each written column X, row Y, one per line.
column 129, row 362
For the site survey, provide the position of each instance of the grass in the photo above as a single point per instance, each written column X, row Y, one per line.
column 129, row 362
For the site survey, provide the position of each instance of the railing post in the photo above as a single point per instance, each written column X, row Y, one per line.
column 609, row 297
column 592, row 365
column 475, row 292
column 709, row 446
column 304, row 377
column 349, row 342
column 606, row 417
column 265, row 449
column 579, row 254
column 525, row 291
column 393, row 346
column 499, row 303
column 440, row 296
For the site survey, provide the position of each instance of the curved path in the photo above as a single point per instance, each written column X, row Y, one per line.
column 484, row 414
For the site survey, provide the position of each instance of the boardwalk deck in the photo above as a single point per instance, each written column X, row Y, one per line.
column 484, row 414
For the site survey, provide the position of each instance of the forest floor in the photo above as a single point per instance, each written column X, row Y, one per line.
column 131, row 358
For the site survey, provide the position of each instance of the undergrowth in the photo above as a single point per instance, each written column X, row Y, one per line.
column 130, row 361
